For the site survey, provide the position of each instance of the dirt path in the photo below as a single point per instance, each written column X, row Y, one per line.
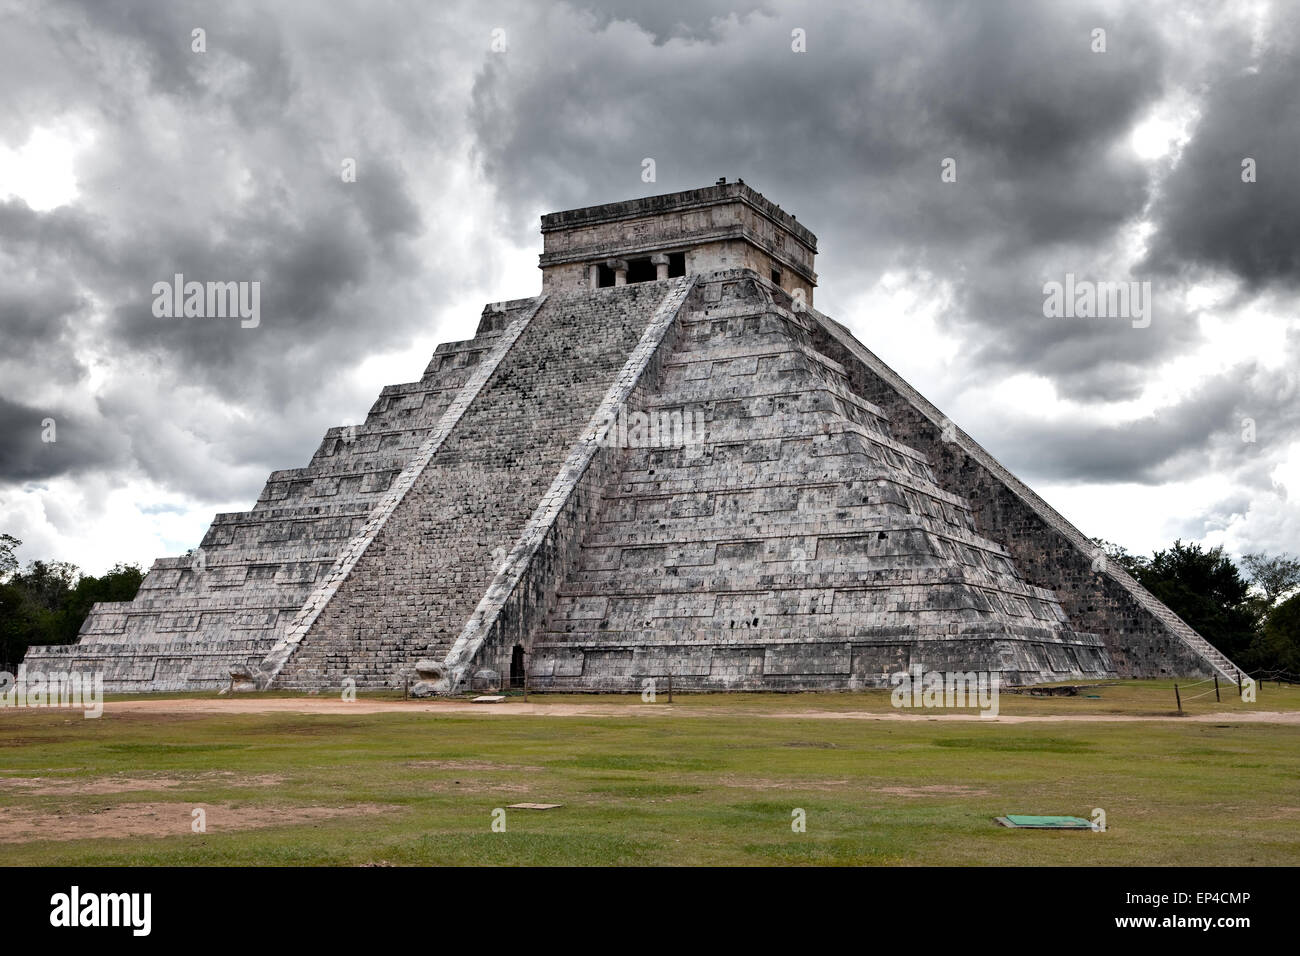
column 323, row 705
column 159, row 819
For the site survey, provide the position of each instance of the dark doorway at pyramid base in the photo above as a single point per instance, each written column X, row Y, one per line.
column 517, row 667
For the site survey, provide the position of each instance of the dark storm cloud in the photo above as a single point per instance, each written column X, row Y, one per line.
column 160, row 39
column 850, row 136
column 320, row 269
column 36, row 322
column 687, row 19
column 43, row 307
column 1208, row 217
column 28, row 454
column 1205, row 433
column 225, row 167
column 1087, row 359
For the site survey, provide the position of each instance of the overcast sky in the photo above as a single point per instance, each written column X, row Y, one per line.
column 127, row 157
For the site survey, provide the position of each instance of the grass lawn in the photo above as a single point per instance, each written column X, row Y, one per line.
column 713, row 780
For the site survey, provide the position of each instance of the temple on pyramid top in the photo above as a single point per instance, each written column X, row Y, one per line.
column 723, row 226
column 666, row 466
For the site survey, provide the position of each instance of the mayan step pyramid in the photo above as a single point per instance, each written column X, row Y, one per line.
column 668, row 463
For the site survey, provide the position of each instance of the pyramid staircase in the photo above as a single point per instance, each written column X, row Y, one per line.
column 451, row 532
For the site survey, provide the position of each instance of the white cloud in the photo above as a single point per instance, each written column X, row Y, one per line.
column 95, row 522
column 42, row 170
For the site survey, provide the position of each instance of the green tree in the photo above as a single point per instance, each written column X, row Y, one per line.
column 32, row 605
column 8, row 562
column 18, row 622
column 48, row 601
column 47, row 582
column 119, row 583
column 1279, row 642
column 1276, row 575
column 1205, row 588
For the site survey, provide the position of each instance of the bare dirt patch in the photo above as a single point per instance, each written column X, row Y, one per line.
column 763, row 783
column 472, row 765
column 20, row 825
column 475, row 786
column 96, row 786
column 932, row 790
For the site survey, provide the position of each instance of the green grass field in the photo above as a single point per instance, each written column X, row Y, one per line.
column 712, row 780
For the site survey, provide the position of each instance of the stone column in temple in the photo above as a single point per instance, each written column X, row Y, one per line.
column 593, row 275
column 660, row 260
column 620, row 270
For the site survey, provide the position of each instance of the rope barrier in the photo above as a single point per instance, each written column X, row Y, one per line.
column 1280, row 676
column 1274, row 674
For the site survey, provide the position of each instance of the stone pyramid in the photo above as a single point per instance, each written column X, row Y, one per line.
column 668, row 463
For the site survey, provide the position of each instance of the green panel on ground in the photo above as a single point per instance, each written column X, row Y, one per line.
column 1044, row 823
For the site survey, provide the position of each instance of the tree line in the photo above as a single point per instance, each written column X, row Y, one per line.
column 1250, row 612
column 47, row 601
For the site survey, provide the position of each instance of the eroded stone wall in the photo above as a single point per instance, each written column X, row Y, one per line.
column 1142, row 641
column 795, row 543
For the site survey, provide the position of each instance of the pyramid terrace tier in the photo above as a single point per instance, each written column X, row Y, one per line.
column 786, row 660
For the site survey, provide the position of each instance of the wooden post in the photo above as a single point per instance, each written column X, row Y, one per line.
column 525, row 678
column 1216, row 688
column 1178, row 698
